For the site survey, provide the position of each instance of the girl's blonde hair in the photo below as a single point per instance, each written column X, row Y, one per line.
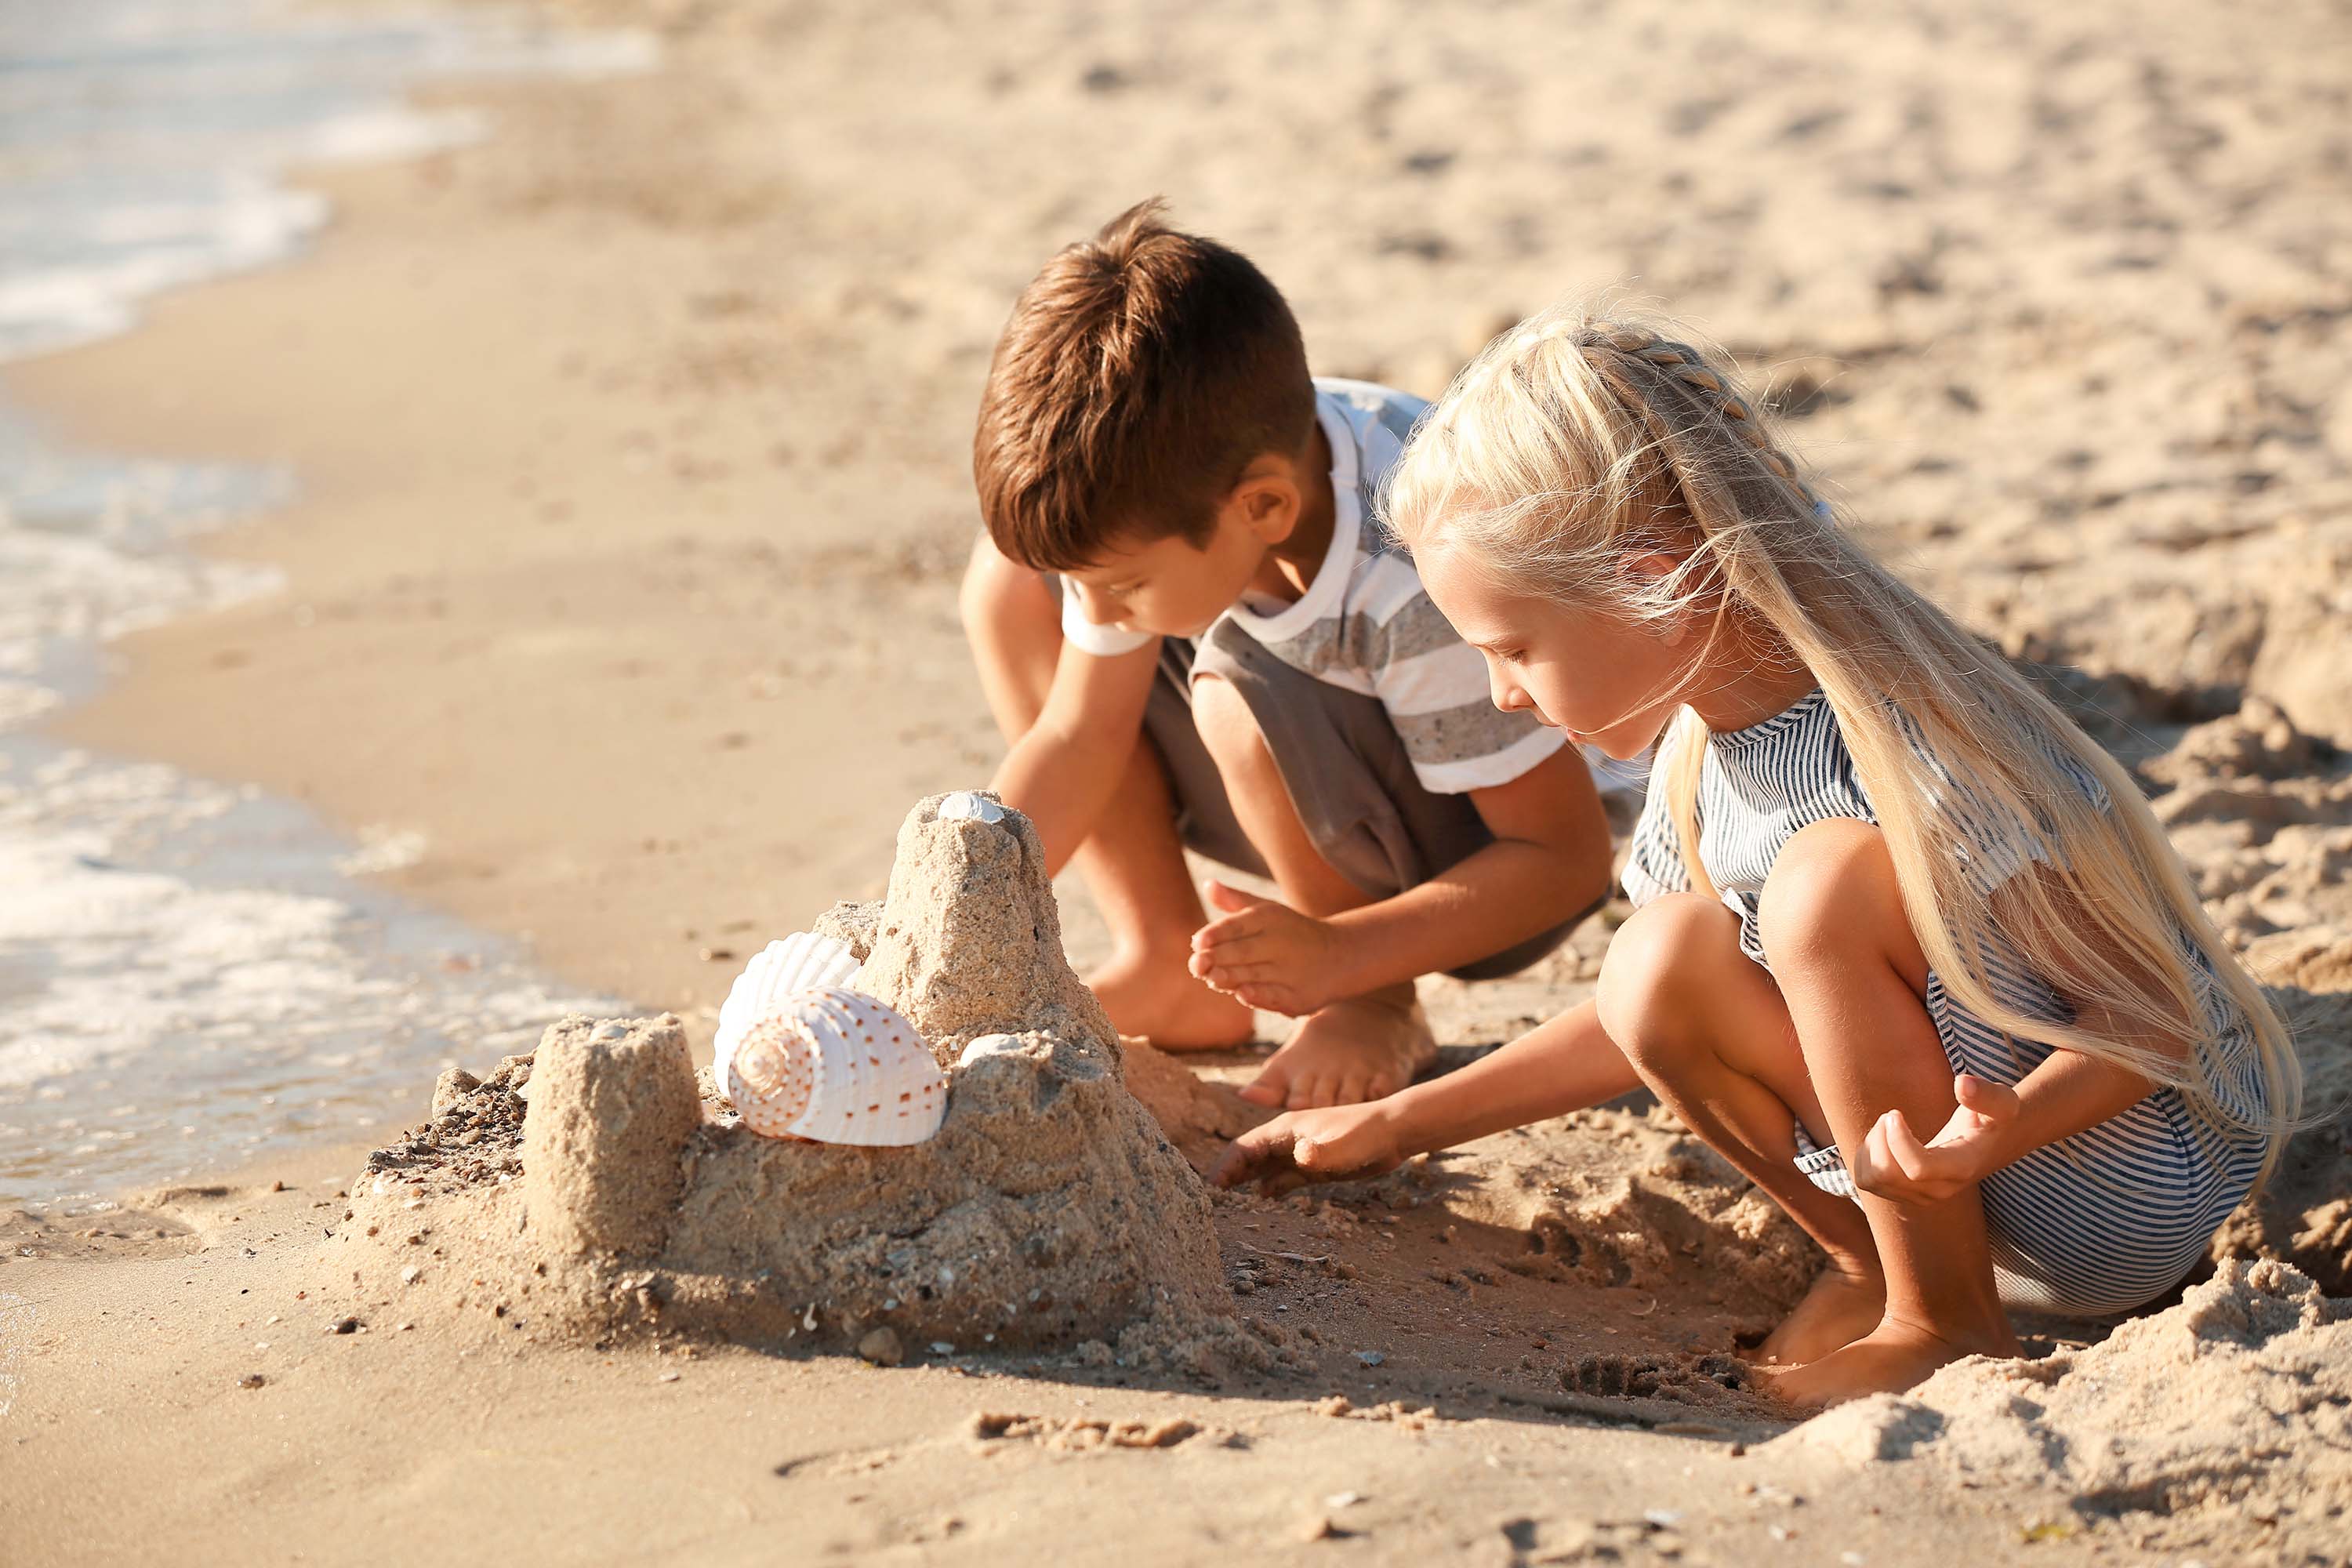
column 1580, row 439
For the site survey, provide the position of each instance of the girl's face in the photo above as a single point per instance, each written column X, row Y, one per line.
column 1607, row 679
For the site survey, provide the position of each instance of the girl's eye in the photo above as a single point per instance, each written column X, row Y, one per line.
column 1504, row 654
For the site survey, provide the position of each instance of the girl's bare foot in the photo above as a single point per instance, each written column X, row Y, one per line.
column 1892, row 1357
column 1155, row 996
column 1847, row 1302
column 1353, row 1050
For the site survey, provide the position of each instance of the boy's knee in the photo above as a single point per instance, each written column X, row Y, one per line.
column 993, row 588
column 1831, row 887
column 1653, row 975
column 1227, row 727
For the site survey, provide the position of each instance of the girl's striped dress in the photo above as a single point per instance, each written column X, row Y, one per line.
column 2096, row 1223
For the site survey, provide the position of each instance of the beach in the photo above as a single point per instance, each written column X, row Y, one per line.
column 608, row 614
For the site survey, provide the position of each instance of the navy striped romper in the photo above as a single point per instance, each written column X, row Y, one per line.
column 2093, row 1225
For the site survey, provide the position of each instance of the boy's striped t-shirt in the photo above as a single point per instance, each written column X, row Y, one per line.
column 1366, row 625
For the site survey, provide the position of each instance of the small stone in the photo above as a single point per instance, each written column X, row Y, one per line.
column 667, row 1377
column 251, row 1379
column 612, row 1029
column 1319, row 1528
column 942, row 1347
column 1339, row 1500
column 1371, row 1358
column 411, row 1275
column 344, row 1326
column 881, row 1347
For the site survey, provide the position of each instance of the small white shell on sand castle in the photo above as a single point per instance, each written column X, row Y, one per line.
column 989, row 1046
column 780, row 971
column 838, row 1067
column 964, row 805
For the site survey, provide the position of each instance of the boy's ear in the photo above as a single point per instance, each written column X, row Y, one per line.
column 1267, row 499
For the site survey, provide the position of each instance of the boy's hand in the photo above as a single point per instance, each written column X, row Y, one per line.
column 1265, row 954
column 1893, row 1163
column 1302, row 1146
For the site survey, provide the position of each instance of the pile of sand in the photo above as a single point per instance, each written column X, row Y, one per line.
column 2238, row 1401
column 1049, row 1211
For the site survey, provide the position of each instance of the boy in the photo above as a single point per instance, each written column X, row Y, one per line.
column 1192, row 632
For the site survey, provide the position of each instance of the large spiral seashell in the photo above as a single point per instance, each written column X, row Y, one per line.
column 785, row 968
column 837, row 1067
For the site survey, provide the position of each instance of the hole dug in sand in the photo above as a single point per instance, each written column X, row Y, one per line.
column 597, row 1187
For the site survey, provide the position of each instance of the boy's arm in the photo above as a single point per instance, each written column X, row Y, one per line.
column 1567, row 1064
column 1550, row 859
column 1063, row 772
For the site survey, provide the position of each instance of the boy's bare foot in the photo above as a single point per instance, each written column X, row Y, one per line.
column 1892, row 1357
column 1353, row 1050
column 1162, row 1003
column 1844, row 1304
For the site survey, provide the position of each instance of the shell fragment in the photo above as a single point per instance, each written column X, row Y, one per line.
column 963, row 805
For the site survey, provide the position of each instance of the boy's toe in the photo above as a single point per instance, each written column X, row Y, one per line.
column 1270, row 1087
column 1312, row 1092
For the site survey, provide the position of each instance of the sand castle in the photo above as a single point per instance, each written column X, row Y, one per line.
column 1048, row 1210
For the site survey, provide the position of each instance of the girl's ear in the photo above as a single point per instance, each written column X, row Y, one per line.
column 1643, row 572
column 1651, row 568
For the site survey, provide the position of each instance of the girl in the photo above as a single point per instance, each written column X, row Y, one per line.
column 1908, row 948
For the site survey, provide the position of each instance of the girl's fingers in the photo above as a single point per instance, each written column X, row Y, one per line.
column 1904, row 1147
column 1866, row 1163
column 1993, row 1101
column 1253, row 1153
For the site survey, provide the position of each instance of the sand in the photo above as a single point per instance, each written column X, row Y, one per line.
column 633, row 454
column 2230, row 1407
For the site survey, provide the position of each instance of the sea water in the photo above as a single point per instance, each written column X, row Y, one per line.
column 192, row 973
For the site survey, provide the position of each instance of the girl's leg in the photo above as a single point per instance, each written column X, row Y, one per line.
column 1854, row 981
column 1709, row 1031
column 1133, row 862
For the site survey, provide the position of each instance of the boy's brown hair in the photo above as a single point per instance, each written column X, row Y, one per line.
column 1140, row 373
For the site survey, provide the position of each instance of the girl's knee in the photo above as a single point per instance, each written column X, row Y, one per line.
column 1655, row 973
column 1832, row 890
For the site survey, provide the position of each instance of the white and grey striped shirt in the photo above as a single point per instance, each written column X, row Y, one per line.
column 1366, row 625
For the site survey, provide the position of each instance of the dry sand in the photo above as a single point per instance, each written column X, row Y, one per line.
column 633, row 454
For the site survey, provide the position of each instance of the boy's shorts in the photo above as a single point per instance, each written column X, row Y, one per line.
column 1363, row 806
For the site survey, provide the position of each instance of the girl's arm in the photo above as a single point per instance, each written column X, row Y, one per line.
column 1996, row 1124
column 1565, row 1065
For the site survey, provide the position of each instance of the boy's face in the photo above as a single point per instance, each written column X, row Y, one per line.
column 1173, row 588
column 1608, row 681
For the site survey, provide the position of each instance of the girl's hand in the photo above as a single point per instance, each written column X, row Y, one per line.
column 1893, row 1163
column 1266, row 954
column 1302, row 1146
